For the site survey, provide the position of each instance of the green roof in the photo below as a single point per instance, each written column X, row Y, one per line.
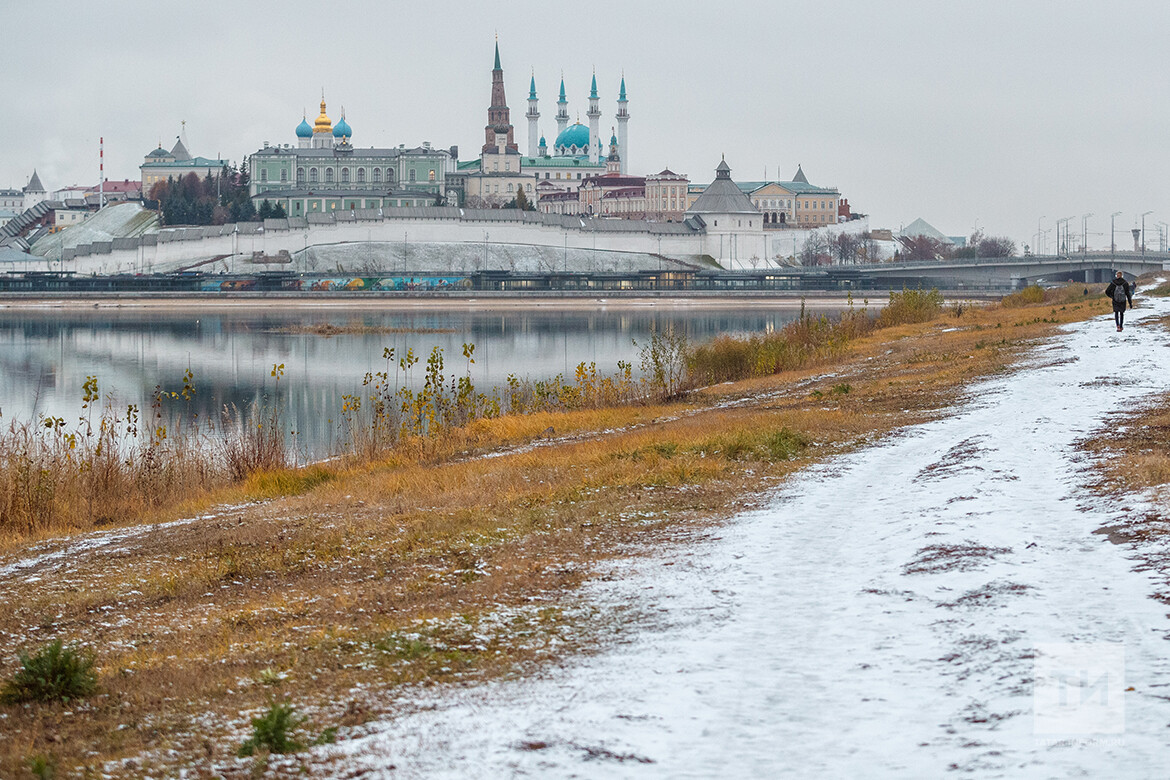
column 795, row 187
column 194, row 162
column 560, row 162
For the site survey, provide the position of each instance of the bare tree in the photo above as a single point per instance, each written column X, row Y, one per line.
column 816, row 250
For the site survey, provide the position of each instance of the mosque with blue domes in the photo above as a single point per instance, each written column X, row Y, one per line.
column 577, row 152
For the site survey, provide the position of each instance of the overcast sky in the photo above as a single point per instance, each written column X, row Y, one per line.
column 988, row 113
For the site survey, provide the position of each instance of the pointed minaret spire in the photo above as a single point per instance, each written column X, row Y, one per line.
column 562, row 110
column 533, row 117
column 497, row 67
column 594, row 114
column 623, row 117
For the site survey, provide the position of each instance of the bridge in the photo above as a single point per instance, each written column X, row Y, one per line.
column 1014, row 272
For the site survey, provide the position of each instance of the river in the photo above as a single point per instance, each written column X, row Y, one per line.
column 47, row 353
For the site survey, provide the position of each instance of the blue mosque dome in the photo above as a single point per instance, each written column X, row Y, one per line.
column 574, row 135
column 304, row 129
column 342, row 129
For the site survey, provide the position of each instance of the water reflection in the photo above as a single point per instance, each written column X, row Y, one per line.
column 46, row 355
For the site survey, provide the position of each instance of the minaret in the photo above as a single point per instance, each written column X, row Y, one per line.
column 594, row 114
column 613, row 163
column 498, row 131
column 533, row 115
column 562, row 111
column 623, row 116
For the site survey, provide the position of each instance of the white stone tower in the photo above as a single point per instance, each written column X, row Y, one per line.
column 594, row 114
column 623, row 116
column 562, row 111
column 533, row 116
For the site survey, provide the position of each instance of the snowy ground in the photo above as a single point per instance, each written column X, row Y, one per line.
column 885, row 616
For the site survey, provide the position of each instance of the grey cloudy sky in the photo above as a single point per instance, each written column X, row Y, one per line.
column 991, row 113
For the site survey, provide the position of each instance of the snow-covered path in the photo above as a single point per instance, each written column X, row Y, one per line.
column 879, row 619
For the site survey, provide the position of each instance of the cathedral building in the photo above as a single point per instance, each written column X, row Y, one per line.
column 324, row 172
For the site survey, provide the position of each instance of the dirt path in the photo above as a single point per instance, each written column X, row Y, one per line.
column 885, row 616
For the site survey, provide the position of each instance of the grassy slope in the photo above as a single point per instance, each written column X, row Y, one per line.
column 441, row 566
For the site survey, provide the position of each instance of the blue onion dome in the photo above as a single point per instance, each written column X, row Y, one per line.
column 542, row 143
column 574, row 135
column 304, row 129
column 612, row 140
column 342, row 129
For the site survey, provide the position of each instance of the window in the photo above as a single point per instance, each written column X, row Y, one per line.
column 507, row 165
column 283, row 175
column 345, row 175
column 377, row 174
column 361, row 175
column 313, row 175
column 300, row 175
column 263, row 174
column 328, row 175
column 432, row 174
column 495, row 165
column 389, row 175
column 509, row 187
column 546, row 175
column 412, row 174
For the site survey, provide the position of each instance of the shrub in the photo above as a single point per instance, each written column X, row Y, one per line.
column 53, row 673
column 910, row 306
column 1025, row 297
column 273, row 731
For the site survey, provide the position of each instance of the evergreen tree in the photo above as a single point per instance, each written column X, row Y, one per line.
column 265, row 210
column 278, row 211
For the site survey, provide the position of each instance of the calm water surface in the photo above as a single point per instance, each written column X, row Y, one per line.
column 46, row 354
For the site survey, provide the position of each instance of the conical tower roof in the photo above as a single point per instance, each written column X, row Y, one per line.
column 180, row 152
column 723, row 196
column 800, row 177
column 34, row 184
column 532, row 88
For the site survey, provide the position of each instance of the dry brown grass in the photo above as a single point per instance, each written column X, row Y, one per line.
column 436, row 564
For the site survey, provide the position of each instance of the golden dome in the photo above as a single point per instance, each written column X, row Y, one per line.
column 323, row 123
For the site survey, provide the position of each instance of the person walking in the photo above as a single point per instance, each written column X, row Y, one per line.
column 1120, row 293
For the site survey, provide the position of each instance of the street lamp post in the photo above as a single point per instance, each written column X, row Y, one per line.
column 1144, row 232
column 1085, row 234
column 1038, row 234
column 1112, row 240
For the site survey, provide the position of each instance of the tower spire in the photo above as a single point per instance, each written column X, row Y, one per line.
column 562, row 109
column 498, row 132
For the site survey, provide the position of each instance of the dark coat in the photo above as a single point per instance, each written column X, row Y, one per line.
column 1128, row 294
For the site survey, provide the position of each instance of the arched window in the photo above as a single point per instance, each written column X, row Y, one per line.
column 377, row 174
column 432, row 174
column 509, row 187
column 389, row 175
column 345, row 175
column 361, row 175
column 300, row 175
column 328, row 175
column 313, row 175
